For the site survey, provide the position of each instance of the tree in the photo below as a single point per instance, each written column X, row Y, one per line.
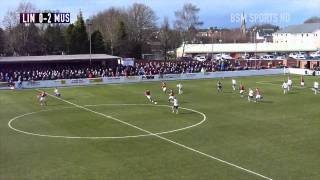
column 54, row 41
column 69, row 38
column 34, row 42
column 77, row 37
column 314, row 19
column 80, row 41
column 20, row 36
column 122, row 47
column 97, row 42
column 2, row 41
column 12, row 19
column 187, row 20
column 106, row 22
column 164, row 34
column 141, row 25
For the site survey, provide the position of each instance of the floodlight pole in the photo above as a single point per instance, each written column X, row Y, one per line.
column 89, row 24
column 255, row 49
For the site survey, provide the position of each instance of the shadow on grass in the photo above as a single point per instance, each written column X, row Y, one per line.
column 187, row 112
column 267, row 102
column 227, row 92
column 68, row 99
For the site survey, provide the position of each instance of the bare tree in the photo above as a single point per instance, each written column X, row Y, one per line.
column 142, row 21
column 19, row 34
column 12, row 18
column 187, row 20
column 165, row 36
column 106, row 22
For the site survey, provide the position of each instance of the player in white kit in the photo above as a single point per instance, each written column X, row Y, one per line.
column 175, row 106
column 285, row 88
column 234, row 84
column 179, row 86
column 56, row 92
column 316, row 87
column 289, row 84
column 250, row 95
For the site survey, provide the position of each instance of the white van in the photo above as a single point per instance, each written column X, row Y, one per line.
column 300, row 55
column 199, row 58
column 267, row 57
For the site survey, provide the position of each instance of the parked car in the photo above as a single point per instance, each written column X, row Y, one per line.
column 267, row 57
column 199, row 58
column 245, row 56
column 281, row 57
column 315, row 54
column 254, row 58
column 222, row 56
column 299, row 55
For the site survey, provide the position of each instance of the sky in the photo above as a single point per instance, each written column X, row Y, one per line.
column 213, row 13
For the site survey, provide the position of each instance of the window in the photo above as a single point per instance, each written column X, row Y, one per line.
column 286, row 34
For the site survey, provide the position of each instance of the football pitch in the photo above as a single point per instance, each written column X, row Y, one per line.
column 113, row 132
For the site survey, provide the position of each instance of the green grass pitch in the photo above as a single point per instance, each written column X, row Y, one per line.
column 278, row 138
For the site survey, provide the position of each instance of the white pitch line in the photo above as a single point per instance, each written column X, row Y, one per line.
column 163, row 138
column 104, row 137
column 275, row 84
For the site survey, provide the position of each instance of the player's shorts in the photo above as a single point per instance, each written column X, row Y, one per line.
column 302, row 83
column 316, row 89
column 164, row 89
column 175, row 107
column 149, row 97
column 42, row 99
column 250, row 97
column 241, row 91
column 258, row 96
column 219, row 87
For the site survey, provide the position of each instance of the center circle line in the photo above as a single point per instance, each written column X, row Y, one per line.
column 104, row 137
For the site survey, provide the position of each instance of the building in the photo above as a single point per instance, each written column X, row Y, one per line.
column 194, row 49
column 265, row 35
column 308, row 33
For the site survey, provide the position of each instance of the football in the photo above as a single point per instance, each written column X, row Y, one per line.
column 155, row 103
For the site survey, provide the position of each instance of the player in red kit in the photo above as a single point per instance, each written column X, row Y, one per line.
column 42, row 98
column 242, row 89
column 302, row 81
column 147, row 93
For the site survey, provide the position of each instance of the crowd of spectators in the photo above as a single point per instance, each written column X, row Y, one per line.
column 28, row 72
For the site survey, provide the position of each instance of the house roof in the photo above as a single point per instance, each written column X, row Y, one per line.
column 301, row 28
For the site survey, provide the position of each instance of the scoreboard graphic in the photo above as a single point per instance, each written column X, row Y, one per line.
column 45, row 17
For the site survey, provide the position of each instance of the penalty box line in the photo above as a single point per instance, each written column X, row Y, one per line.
column 161, row 137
